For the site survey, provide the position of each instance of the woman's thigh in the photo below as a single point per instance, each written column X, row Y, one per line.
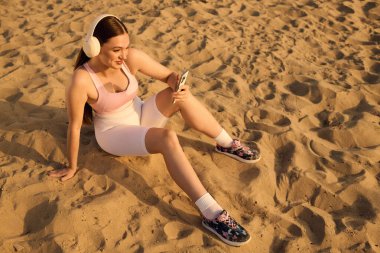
column 165, row 104
column 123, row 140
column 157, row 109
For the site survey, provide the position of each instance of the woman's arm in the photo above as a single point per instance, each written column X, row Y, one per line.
column 76, row 97
column 137, row 60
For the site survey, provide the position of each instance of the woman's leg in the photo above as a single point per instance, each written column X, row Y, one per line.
column 192, row 111
column 199, row 118
column 215, row 219
column 164, row 141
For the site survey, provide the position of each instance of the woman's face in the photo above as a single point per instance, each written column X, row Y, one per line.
column 115, row 51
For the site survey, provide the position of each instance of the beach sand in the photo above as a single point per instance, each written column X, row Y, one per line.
column 301, row 79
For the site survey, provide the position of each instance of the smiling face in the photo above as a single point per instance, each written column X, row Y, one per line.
column 114, row 52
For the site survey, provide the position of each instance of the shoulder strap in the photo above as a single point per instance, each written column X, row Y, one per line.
column 125, row 68
column 93, row 76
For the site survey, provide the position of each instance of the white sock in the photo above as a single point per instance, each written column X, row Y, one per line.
column 208, row 206
column 224, row 139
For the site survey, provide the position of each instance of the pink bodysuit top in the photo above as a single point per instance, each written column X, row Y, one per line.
column 111, row 101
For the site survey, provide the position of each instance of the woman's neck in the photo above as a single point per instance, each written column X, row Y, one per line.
column 101, row 68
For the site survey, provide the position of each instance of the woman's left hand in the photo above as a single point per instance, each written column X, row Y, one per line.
column 64, row 174
column 182, row 94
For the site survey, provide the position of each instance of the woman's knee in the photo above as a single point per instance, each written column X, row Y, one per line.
column 160, row 140
column 170, row 139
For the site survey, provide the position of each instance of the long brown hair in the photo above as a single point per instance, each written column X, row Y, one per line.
column 107, row 28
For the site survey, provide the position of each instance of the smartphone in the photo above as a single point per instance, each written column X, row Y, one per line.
column 181, row 82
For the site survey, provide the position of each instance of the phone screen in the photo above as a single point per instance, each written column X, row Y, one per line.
column 182, row 80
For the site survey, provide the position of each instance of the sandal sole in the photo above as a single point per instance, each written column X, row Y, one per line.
column 237, row 157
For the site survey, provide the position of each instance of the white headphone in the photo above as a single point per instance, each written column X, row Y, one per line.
column 91, row 45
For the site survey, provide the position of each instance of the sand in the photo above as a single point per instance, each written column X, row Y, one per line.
column 301, row 79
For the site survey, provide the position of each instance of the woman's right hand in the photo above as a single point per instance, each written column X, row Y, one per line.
column 64, row 174
column 172, row 80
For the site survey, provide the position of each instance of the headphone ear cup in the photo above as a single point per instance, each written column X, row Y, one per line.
column 91, row 47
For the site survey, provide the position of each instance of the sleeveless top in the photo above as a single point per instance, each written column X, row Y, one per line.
column 110, row 101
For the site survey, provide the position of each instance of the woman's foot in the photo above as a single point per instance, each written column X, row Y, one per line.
column 227, row 229
column 240, row 152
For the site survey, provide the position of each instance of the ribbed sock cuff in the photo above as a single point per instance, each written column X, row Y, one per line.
column 205, row 202
column 224, row 139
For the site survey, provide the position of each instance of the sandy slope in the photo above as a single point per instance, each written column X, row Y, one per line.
column 299, row 78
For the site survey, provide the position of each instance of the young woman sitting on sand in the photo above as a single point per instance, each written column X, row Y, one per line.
column 104, row 90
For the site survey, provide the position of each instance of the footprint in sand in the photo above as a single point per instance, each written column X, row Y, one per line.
column 370, row 78
column 344, row 9
column 232, row 85
column 375, row 54
column 330, row 119
column 331, row 165
column 306, row 88
column 313, row 224
column 288, row 227
column 272, row 93
column 312, row 4
column 175, row 230
column 375, row 38
column 191, row 12
column 356, row 113
column 144, row 26
column 16, row 94
column 355, row 62
column 255, row 13
column 213, row 12
column 369, row 10
column 267, row 121
column 9, row 64
column 354, row 216
column 283, row 159
column 153, row 13
column 296, row 13
column 11, row 53
column 96, row 186
column 339, row 55
column 352, row 179
column 73, row 54
column 378, row 178
column 375, row 68
column 294, row 230
column 337, row 156
column 278, row 245
column 21, row 26
column 201, row 62
column 217, row 86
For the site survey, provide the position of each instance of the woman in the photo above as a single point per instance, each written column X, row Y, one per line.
column 104, row 85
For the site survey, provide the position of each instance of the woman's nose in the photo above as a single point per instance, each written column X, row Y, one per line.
column 124, row 53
